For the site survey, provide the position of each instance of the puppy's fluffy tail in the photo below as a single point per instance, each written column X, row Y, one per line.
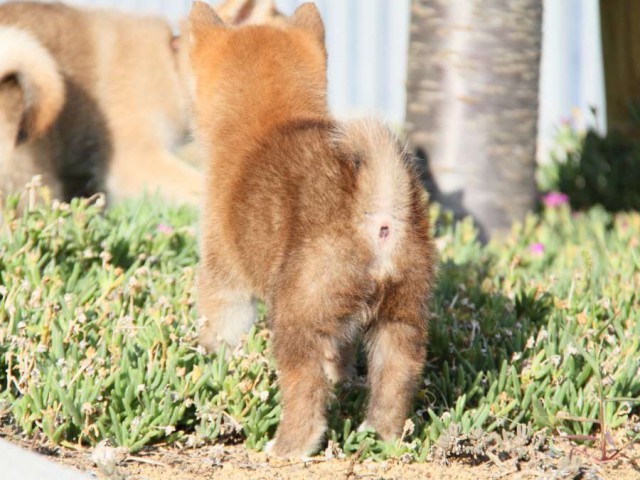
column 386, row 186
column 24, row 60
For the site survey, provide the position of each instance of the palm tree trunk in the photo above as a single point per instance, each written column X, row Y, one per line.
column 472, row 104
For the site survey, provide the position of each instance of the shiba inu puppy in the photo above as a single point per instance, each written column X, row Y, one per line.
column 97, row 100
column 324, row 221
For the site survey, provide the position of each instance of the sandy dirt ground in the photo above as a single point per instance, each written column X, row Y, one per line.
column 236, row 462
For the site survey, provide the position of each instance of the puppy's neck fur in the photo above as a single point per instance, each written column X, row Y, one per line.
column 256, row 79
column 283, row 96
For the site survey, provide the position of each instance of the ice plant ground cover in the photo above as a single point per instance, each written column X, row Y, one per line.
column 536, row 335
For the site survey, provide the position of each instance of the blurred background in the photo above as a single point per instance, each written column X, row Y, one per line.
column 368, row 50
column 501, row 101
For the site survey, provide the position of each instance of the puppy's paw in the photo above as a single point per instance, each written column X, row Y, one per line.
column 213, row 343
column 268, row 448
column 365, row 426
column 272, row 450
column 216, row 347
column 382, row 430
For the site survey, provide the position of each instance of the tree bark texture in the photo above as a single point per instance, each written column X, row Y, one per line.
column 472, row 104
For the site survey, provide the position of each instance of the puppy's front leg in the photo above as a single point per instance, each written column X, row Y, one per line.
column 229, row 311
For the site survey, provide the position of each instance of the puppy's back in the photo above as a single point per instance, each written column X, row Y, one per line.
column 319, row 179
column 293, row 184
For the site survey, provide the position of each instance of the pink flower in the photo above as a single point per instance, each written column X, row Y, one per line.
column 566, row 121
column 164, row 228
column 555, row 199
column 536, row 248
column 624, row 225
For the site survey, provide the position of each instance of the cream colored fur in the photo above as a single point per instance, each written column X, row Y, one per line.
column 31, row 97
column 37, row 73
column 383, row 183
column 244, row 12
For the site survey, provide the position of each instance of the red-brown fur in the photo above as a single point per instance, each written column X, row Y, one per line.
column 326, row 222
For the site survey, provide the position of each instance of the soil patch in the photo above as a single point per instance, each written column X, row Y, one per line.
column 236, row 462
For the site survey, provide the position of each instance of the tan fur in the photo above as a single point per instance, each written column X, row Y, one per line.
column 326, row 222
column 32, row 94
column 37, row 73
column 104, row 100
column 125, row 108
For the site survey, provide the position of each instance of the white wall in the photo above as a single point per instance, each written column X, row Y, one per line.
column 367, row 42
column 572, row 79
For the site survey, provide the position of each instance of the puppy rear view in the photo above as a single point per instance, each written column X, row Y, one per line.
column 326, row 222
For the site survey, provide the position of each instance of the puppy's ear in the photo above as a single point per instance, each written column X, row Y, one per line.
column 236, row 12
column 308, row 18
column 203, row 19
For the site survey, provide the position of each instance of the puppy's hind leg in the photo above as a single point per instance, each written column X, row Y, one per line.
column 396, row 344
column 228, row 313
column 304, row 386
column 313, row 326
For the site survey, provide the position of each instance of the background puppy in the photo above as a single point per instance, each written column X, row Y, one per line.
column 244, row 12
column 96, row 100
column 125, row 105
column 326, row 222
